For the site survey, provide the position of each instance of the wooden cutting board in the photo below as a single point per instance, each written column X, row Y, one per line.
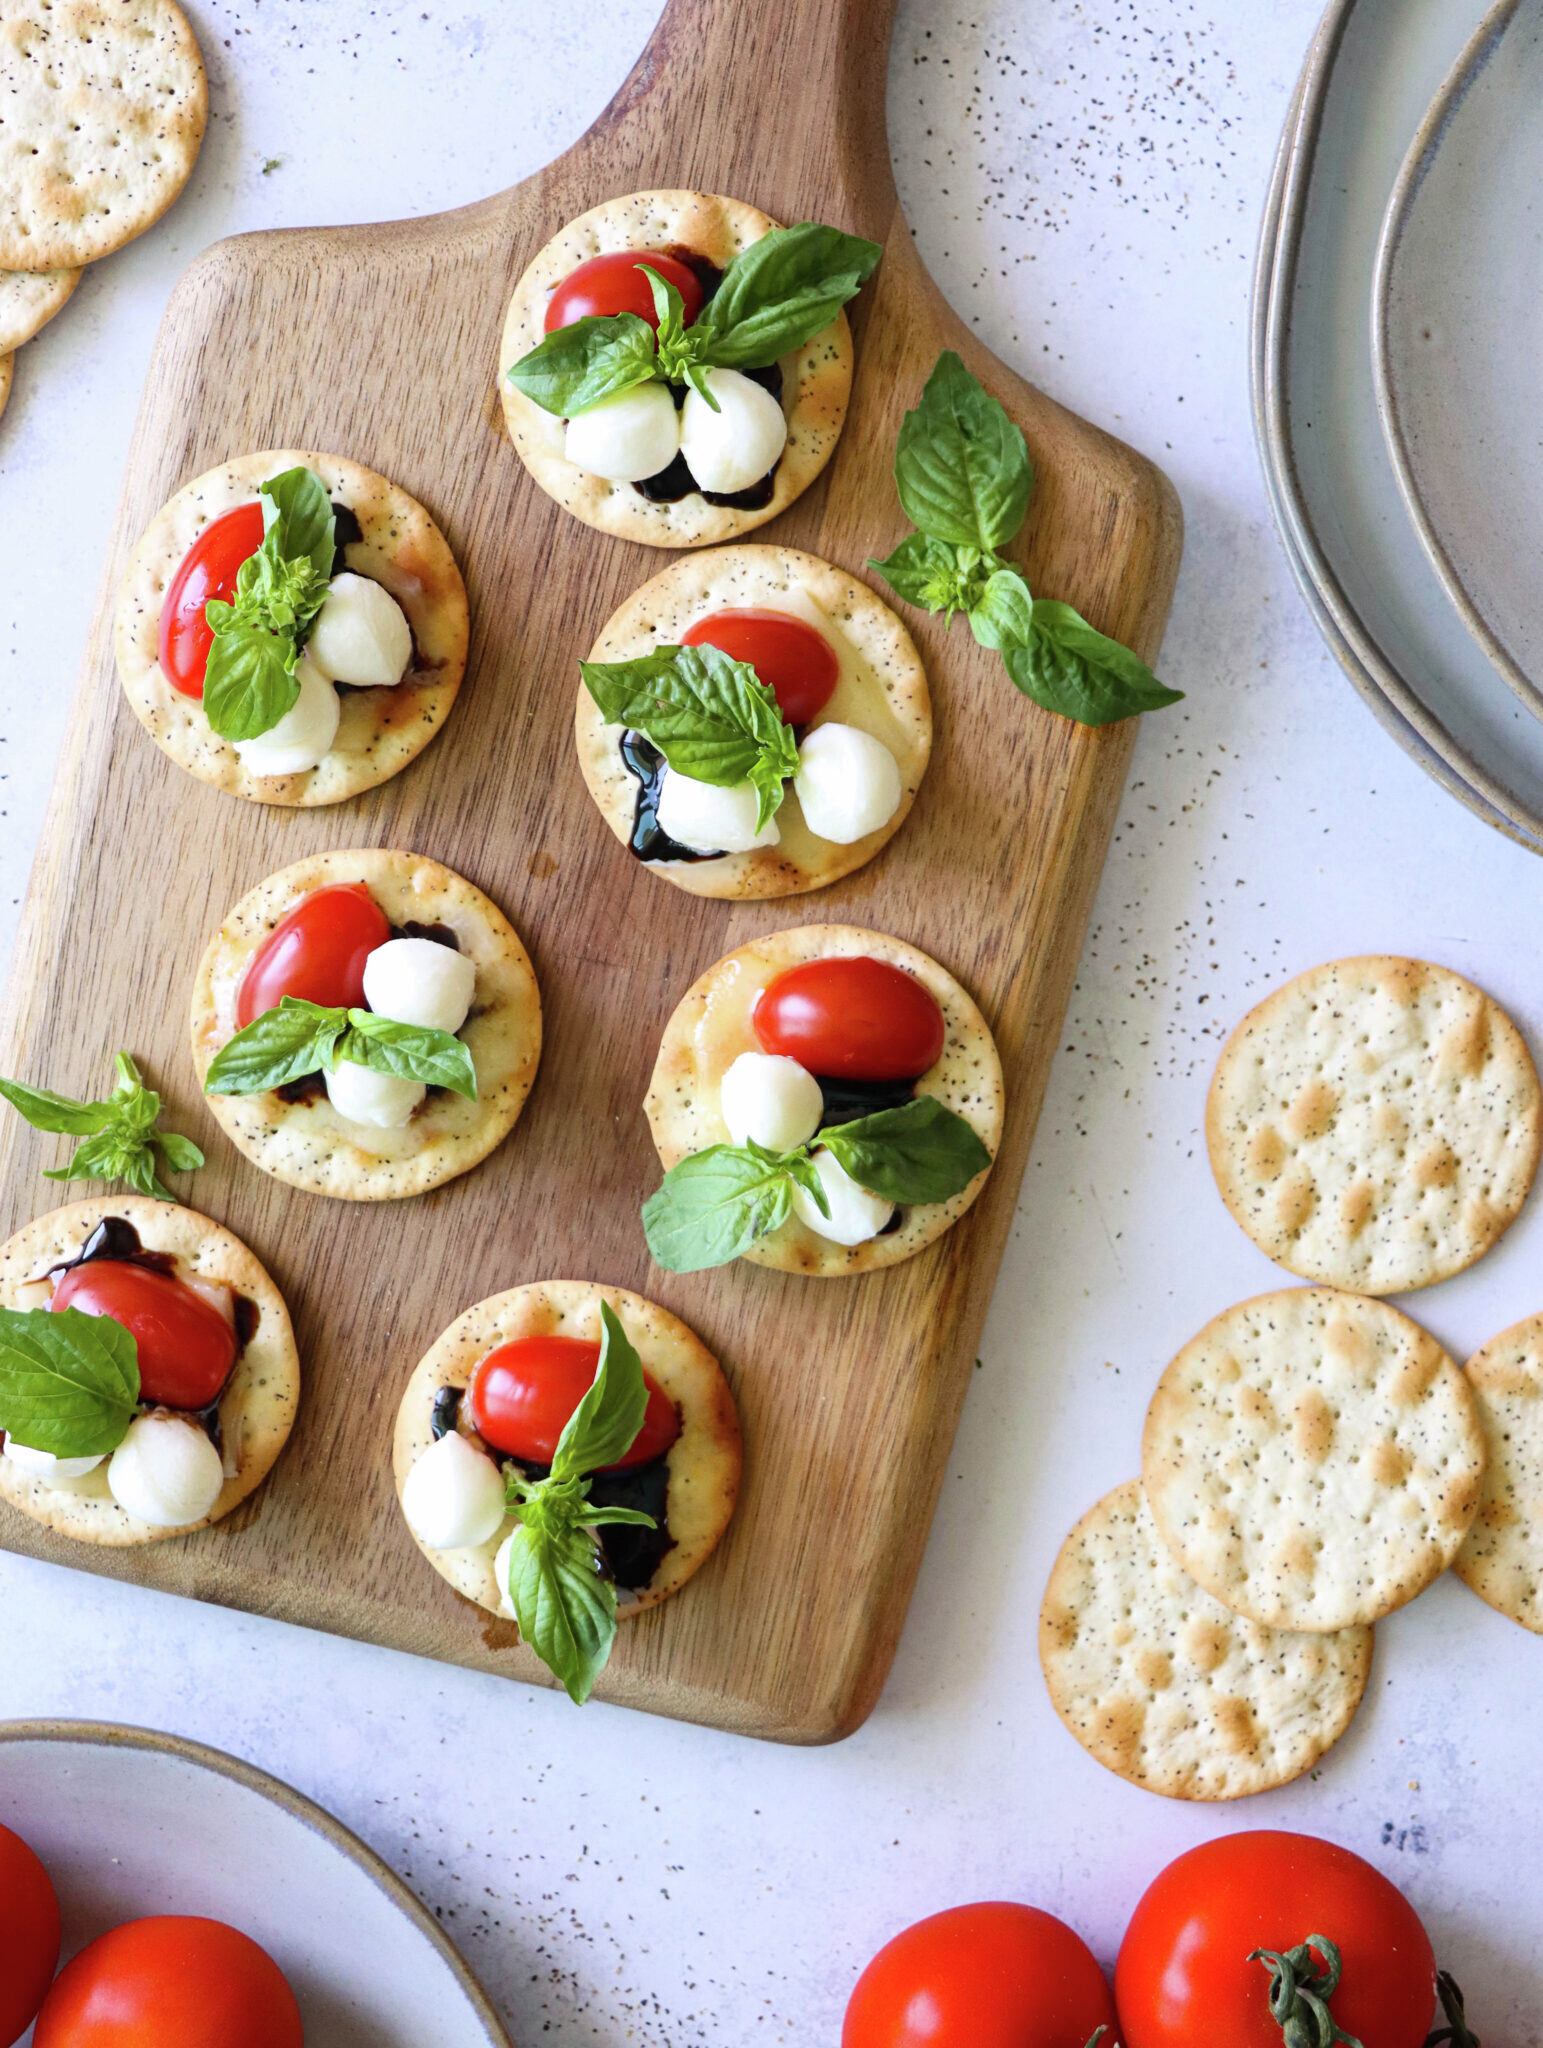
column 382, row 343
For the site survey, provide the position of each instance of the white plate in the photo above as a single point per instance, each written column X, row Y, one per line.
column 130, row 1823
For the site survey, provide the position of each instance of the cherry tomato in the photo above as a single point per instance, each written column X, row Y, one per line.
column 171, row 1981
column 1184, row 1976
column 29, row 1936
column 523, row 1393
column 797, row 664
column 316, row 953
column 186, row 1347
column 851, row 1017
column 612, row 284
column 208, row 570
column 987, row 1976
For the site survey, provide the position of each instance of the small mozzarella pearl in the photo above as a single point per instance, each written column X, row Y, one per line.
column 454, row 1496
column 165, row 1472
column 708, row 819
column 305, row 733
column 626, row 438
column 848, row 783
column 44, row 1467
column 362, row 1096
column 770, row 1100
column 417, row 981
column 361, row 634
column 855, row 1215
column 733, row 448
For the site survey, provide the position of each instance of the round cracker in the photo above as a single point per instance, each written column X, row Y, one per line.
column 704, row 1461
column 1171, row 1690
column 257, row 1408
column 1502, row 1559
column 1313, row 1458
column 7, row 369
column 308, row 1144
column 882, row 689
column 379, row 731
column 711, row 1027
column 816, row 379
column 105, row 104
column 1375, row 1124
column 29, row 300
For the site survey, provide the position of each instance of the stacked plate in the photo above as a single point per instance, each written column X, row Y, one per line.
column 1398, row 378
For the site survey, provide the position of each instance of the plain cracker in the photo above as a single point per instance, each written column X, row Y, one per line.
column 1502, row 1560
column 29, row 300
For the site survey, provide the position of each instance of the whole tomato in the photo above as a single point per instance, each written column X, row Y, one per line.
column 172, row 1981
column 29, row 1936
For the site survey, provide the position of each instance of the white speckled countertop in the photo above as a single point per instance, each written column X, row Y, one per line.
column 1085, row 181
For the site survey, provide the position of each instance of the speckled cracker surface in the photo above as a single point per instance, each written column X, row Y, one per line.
column 1314, row 1459
column 816, row 379
column 1502, row 1560
column 1171, row 1690
column 105, row 103
column 379, row 731
column 711, row 1027
column 257, row 1408
column 882, row 688
column 1375, row 1124
column 29, row 300
column 308, row 1144
column 703, row 1462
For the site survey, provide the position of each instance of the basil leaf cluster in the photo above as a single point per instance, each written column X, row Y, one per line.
column 120, row 1134
column 69, row 1382
column 719, row 1202
column 298, row 1038
column 250, row 681
column 964, row 478
column 774, row 296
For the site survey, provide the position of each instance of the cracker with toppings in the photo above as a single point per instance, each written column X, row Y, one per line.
column 29, row 300
column 1502, row 1560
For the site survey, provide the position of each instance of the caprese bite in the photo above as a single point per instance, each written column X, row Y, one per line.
column 753, row 722
column 366, row 1025
column 675, row 367
column 292, row 628
column 826, row 1101
column 148, row 1372
column 567, row 1454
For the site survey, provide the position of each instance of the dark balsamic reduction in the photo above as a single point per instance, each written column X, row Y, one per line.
column 649, row 840
column 845, row 1101
column 345, row 531
column 447, row 1409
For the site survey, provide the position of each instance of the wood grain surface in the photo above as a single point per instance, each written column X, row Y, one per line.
column 381, row 343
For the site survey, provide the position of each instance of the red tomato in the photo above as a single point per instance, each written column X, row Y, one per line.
column 316, row 953
column 186, row 1347
column 29, row 1936
column 170, row 1982
column 988, row 1976
column 851, row 1017
column 798, row 665
column 1184, row 1976
column 523, row 1393
column 612, row 284
column 208, row 570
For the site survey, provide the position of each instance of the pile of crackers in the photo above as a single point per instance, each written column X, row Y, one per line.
column 1313, row 1459
column 102, row 110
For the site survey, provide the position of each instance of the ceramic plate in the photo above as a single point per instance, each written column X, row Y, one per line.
column 130, row 1823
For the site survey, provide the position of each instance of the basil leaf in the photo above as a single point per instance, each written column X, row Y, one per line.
column 138, row 1169
column 250, row 680
column 1001, row 616
column 676, row 347
column 1068, row 667
column 595, row 358
column 961, row 466
column 565, row 1609
column 99, row 1158
column 69, row 1382
column 605, row 1425
column 715, row 1205
column 181, row 1154
column 414, row 1051
column 781, row 292
column 281, row 1045
column 920, row 1152
column 603, row 1518
column 926, row 572
column 46, row 1111
column 119, row 1133
column 303, row 520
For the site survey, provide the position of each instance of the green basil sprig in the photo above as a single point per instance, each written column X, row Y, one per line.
column 69, row 1382
column 710, row 716
column 250, row 681
column 775, row 296
column 300, row 1038
column 964, row 478
column 719, row 1202
column 563, row 1600
column 119, row 1133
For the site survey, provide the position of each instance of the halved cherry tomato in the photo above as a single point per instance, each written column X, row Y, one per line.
column 797, row 664
column 988, row 1976
column 522, row 1394
column 208, row 570
column 316, row 953
column 607, row 285
column 851, row 1017
column 172, row 1981
column 186, row 1348
column 29, row 1936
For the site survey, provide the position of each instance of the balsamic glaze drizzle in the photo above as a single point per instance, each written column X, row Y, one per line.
column 649, row 840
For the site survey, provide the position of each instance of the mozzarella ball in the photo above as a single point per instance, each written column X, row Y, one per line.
column 771, row 1101
column 708, row 819
column 305, row 733
column 362, row 1096
column 848, row 783
column 44, row 1467
column 733, row 448
column 165, row 1472
column 855, row 1215
column 454, row 1495
column 626, row 438
column 418, row 981
column 361, row 634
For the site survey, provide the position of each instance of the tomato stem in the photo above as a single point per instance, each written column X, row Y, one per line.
column 1457, row 2033
column 1300, row 1991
